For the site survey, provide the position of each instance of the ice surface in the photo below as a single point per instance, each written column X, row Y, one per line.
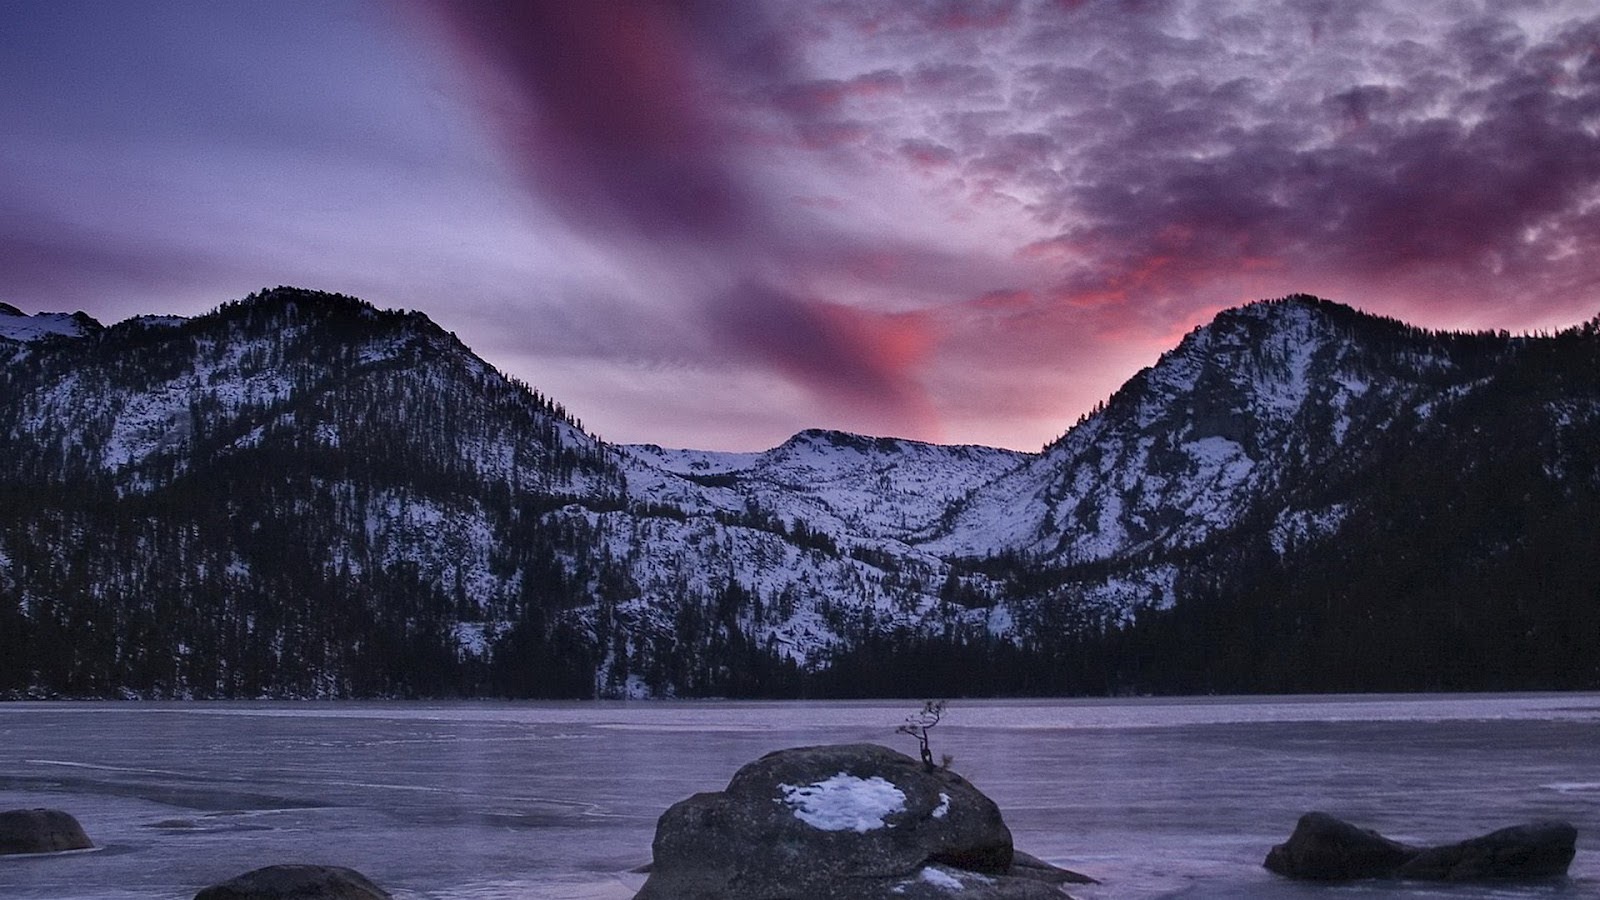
column 845, row 802
column 1176, row 798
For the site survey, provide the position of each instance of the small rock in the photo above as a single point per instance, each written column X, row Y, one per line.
column 40, row 831
column 296, row 883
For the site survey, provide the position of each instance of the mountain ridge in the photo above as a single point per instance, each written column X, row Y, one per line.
column 478, row 534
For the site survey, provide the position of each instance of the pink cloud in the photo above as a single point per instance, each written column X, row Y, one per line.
column 863, row 360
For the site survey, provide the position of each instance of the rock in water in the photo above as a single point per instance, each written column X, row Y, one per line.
column 1325, row 848
column 40, row 831
column 1532, row 851
column 296, row 883
column 845, row 822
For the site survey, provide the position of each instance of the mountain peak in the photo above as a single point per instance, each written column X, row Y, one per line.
column 1273, row 305
column 834, row 438
column 294, row 300
column 282, row 306
column 1294, row 312
column 17, row 325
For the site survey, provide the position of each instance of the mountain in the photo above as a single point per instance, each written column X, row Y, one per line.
column 22, row 328
column 1254, row 404
column 298, row 494
column 1304, row 497
column 861, row 490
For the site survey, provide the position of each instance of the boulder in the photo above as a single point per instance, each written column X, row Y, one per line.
column 1324, row 848
column 296, row 883
column 40, row 831
column 1532, row 851
column 842, row 822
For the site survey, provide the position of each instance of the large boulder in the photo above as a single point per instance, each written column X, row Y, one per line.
column 842, row 822
column 296, row 883
column 1324, row 848
column 40, row 831
column 1532, row 851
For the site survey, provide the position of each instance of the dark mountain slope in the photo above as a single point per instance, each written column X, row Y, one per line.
column 297, row 494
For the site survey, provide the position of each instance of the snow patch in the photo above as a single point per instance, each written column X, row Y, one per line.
column 941, row 879
column 844, row 802
column 943, row 809
column 1295, row 527
column 26, row 329
column 473, row 639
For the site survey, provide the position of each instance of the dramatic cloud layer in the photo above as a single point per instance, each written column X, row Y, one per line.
column 714, row 222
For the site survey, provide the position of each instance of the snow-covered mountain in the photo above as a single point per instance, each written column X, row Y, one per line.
column 15, row 325
column 1189, row 448
column 301, row 494
column 856, row 489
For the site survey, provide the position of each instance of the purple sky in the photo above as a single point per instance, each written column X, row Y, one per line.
column 712, row 223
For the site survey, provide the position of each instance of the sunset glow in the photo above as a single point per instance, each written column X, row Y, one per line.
column 713, row 223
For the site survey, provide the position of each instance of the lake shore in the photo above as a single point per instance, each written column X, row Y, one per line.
column 481, row 801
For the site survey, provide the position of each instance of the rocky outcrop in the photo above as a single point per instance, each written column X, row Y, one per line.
column 1325, row 848
column 296, row 883
column 40, row 831
column 844, row 822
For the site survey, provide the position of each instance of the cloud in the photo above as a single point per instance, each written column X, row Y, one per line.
column 669, row 125
column 1030, row 178
column 606, row 107
column 962, row 217
column 861, row 358
column 1482, row 157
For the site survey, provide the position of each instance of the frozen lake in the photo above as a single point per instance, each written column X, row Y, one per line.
column 471, row 801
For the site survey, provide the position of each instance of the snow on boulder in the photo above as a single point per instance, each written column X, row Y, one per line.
column 855, row 821
column 845, row 802
column 40, row 831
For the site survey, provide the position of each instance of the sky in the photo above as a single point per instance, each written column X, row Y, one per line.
column 713, row 223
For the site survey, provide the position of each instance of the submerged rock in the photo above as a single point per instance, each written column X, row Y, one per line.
column 40, row 831
column 296, row 883
column 1325, row 848
column 852, row 822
